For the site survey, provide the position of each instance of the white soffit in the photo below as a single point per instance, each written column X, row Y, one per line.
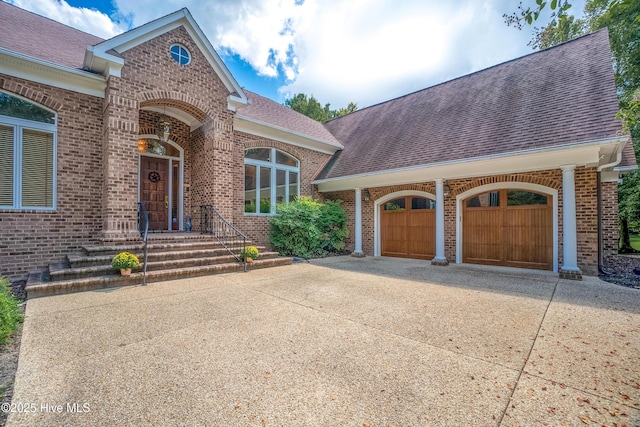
column 48, row 73
column 265, row 130
column 586, row 154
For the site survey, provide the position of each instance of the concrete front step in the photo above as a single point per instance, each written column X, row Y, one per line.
column 171, row 253
column 36, row 287
column 98, row 250
column 101, row 266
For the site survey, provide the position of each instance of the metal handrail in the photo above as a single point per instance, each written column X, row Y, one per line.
column 143, row 228
column 232, row 239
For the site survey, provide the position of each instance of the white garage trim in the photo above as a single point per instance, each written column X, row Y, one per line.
column 507, row 185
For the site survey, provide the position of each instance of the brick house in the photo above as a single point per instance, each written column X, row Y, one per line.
column 514, row 165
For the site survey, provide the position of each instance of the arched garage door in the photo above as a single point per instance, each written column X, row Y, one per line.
column 408, row 228
column 508, row 227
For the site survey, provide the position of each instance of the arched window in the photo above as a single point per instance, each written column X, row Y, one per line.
column 27, row 155
column 270, row 176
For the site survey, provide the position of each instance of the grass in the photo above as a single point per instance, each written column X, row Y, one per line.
column 635, row 241
column 10, row 315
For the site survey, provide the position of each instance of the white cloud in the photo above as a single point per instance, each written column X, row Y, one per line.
column 365, row 51
column 88, row 20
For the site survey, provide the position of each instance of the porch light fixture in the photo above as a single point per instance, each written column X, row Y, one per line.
column 446, row 190
column 164, row 129
column 365, row 195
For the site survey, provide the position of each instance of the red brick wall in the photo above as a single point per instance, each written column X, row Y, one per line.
column 29, row 240
column 609, row 218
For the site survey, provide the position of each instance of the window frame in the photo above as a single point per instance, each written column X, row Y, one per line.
column 19, row 125
column 181, row 48
column 273, row 189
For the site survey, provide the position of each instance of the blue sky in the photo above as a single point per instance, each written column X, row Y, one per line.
column 365, row 51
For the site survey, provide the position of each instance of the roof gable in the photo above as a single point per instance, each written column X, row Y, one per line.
column 561, row 96
column 105, row 57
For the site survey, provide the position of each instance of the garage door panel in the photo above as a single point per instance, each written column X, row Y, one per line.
column 393, row 228
column 421, row 237
column 407, row 228
column 514, row 231
column 529, row 237
column 482, row 241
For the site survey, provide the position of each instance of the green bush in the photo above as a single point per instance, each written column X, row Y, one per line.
column 307, row 228
column 9, row 311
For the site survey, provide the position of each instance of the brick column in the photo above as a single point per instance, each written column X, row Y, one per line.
column 120, row 165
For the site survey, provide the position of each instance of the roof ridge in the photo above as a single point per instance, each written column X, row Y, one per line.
column 406, row 95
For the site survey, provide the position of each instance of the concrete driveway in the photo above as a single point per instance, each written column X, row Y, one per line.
column 336, row 342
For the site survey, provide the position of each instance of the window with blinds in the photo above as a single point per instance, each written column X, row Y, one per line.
column 27, row 155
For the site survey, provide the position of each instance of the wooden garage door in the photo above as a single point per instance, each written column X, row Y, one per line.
column 408, row 228
column 508, row 227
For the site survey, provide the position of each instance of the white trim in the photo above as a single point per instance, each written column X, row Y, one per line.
column 507, row 185
column 547, row 158
column 376, row 212
column 274, row 167
column 51, row 74
column 18, row 125
column 265, row 130
column 171, row 159
column 440, row 243
column 569, row 226
column 358, row 222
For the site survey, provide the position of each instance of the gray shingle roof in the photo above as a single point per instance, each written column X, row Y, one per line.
column 42, row 38
column 270, row 112
column 562, row 95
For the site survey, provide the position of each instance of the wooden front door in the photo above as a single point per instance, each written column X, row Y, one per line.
column 508, row 227
column 407, row 228
column 154, row 194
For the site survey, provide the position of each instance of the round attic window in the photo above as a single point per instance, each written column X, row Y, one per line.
column 180, row 54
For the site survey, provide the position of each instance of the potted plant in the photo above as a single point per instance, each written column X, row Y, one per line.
column 249, row 253
column 124, row 262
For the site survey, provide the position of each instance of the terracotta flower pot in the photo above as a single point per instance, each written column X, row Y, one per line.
column 249, row 259
column 125, row 271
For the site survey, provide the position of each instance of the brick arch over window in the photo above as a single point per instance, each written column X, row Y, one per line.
column 30, row 94
column 292, row 150
column 377, row 193
column 516, row 178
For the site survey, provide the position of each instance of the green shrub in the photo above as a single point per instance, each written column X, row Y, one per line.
column 307, row 228
column 125, row 260
column 9, row 311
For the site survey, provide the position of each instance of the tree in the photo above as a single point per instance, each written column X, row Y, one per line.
column 622, row 18
column 559, row 11
column 311, row 107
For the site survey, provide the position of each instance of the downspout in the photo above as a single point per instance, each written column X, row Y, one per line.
column 601, row 268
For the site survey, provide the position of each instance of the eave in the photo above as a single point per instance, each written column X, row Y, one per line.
column 51, row 74
column 590, row 154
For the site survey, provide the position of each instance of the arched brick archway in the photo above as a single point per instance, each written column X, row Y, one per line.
column 497, row 233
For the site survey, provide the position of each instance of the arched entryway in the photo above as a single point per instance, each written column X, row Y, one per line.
column 406, row 224
column 508, row 224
